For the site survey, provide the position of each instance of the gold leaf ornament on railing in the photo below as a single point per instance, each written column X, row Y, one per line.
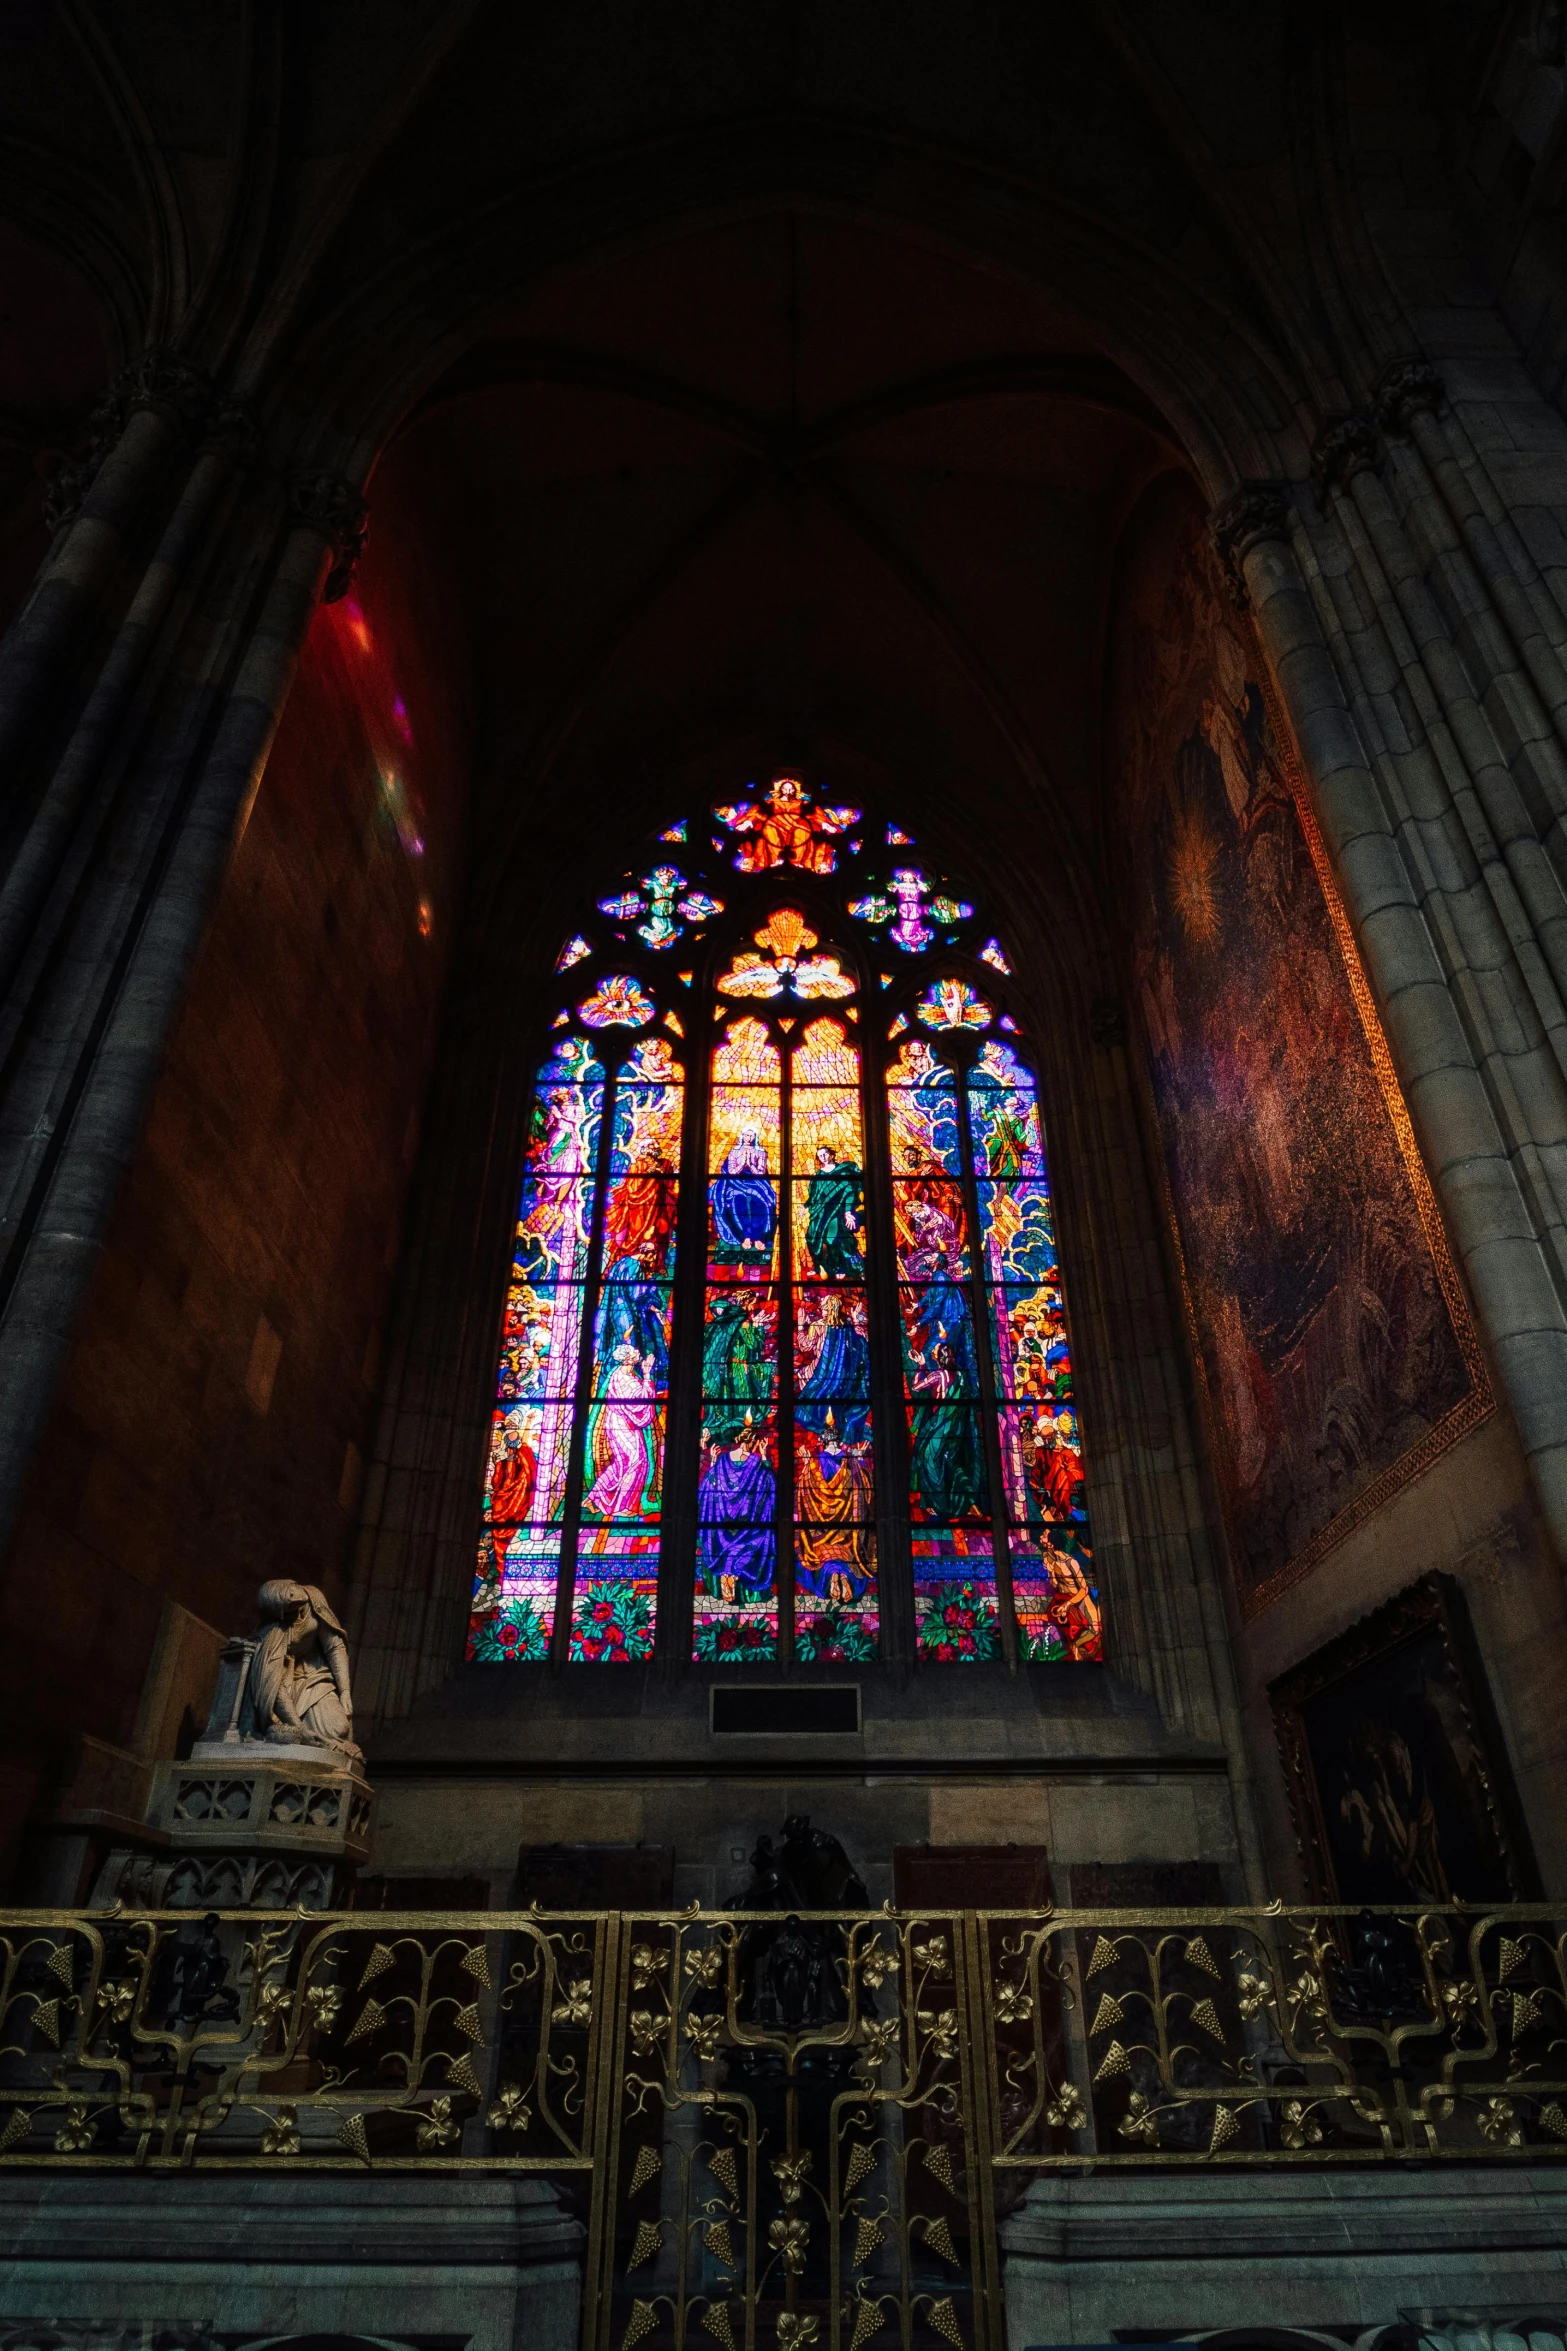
column 789, row 2239
column 877, row 1963
column 1066, row 2111
column 941, row 2028
column 577, row 2006
column 509, row 2110
column 1014, row 2003
column 797, row 2330
column 880, row 2039
column 438, row 2128
column 646, row 1963
column 281, row 2137
column 1141, row 2121
column 116, row 2000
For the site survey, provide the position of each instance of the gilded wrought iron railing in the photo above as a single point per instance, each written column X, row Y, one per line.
column 778, row 2129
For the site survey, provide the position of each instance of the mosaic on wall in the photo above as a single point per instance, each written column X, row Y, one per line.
column 782, row 1021
column 1336, row 1351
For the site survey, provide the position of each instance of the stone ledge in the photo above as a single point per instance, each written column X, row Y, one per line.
column 461, row 2220
column 1269, row 2215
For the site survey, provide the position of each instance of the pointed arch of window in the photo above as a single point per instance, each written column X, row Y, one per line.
column 784, row 1367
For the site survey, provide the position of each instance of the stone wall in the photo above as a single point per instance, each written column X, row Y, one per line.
column 213, row 1422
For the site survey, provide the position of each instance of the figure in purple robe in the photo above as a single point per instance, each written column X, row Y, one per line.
column 736, row 1542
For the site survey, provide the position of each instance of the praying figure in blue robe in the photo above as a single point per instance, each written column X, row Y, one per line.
column 839, row 1380
column 736, row 1540
column 745, row 1205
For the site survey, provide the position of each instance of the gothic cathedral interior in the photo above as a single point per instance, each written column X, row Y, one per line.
column 783, row 1175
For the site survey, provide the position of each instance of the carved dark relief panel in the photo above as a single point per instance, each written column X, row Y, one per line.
column 1397, row 1775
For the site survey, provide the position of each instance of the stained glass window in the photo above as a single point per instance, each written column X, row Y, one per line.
column 784, row 1338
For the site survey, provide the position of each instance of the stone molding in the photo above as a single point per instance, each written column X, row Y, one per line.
column 160, row 379
column 1254, row 512
column 1405, row 390
column 328, row 503
column 1345, row 446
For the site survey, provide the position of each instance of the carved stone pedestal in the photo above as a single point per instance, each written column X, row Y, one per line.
column 246, row 1824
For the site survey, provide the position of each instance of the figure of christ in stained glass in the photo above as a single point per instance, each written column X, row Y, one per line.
column 525, row 1488
column 1054, row 1596
column 956, row 1606
column 737, row 1491
column 615, row 1593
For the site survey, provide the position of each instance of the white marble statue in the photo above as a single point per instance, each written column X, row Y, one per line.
column 289, row 1685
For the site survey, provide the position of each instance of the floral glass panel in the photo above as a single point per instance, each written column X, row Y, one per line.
column 737, row 1490
column 1054, row 1595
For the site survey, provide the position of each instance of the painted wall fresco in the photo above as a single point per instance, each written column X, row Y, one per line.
column 1335, row 1350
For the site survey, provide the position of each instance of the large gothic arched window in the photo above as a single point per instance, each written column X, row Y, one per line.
column 784, row 1369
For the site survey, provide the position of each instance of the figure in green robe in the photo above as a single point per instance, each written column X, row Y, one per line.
column 835, row 1218
column 946, row 1465
column 737, row 1373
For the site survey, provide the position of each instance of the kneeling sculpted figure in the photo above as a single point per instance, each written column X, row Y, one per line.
column 297, row 1688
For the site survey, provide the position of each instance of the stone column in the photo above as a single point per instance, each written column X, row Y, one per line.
column 58, row 1241
column 1404, row 893
column 43, row 848
column 97, row 504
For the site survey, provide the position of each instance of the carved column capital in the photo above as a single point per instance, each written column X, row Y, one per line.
column 65, row 489
column 1406, row 388
column 159, row 379
column 1254, row 512
column 327, row 503
column 1346, row 445
column 231, row 425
